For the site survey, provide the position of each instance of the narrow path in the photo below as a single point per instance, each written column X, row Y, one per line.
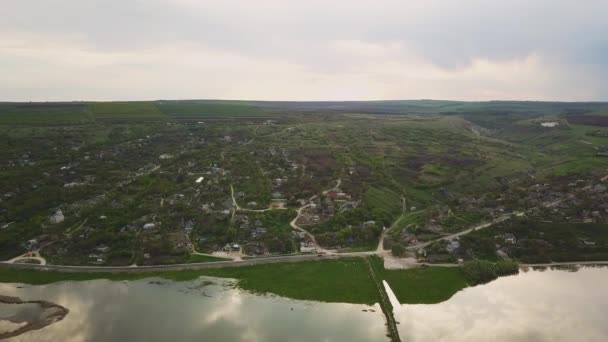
column 295, row 226
column 34, row 255
column 385, row 304
column 380, row 248
column 461, row 233
column 335, row 188
column 482, row 225
column 69, row 234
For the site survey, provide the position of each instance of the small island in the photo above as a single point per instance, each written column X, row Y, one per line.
column 36, row 314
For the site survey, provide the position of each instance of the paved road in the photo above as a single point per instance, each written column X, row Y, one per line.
column 461, row 233
column 183, row 267
column 481, row 226
column 295, row 226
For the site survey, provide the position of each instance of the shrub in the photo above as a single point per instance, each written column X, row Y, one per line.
column 482, row 271
column 397, row 249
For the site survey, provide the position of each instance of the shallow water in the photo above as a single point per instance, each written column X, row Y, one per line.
column 550, row 305
column 102, row 310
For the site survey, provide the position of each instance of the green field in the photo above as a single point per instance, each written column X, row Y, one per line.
column 125, row 110
column 47, row 113
column 428, row 285
column 209, row 109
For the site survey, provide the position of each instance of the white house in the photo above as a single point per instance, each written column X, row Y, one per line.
column 57, row 217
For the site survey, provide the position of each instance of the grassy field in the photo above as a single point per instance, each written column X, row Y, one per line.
column 428, row 285
column 43, row 113
column 125, row 110
column 209, row 109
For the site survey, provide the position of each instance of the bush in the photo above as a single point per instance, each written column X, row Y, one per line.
column 482, row 271
column 506, row 268
column 397, row 249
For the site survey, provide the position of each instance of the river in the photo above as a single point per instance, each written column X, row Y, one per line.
column 550, row 305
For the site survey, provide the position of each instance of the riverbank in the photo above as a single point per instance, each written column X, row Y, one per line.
column 344, row 280
column 340, row 280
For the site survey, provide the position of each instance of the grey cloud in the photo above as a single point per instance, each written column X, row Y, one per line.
column 450, row 35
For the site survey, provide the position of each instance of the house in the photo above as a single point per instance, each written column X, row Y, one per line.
column 260, row 231
column 587, row 242
column 332, row 194
column 510, row 238
column 503, row 255
column 102, row 249
column 307, row 249
column 57, row 217
column 149, row 226
column 31, row 244
column 232, row 248
column 410, row 238
column 452, row 246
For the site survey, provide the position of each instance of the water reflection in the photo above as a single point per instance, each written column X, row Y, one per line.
column 537, row 305
column 102, row 310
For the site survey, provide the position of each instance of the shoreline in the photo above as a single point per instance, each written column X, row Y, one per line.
column 243, row 263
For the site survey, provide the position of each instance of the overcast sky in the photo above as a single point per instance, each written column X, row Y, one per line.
column 303, row 50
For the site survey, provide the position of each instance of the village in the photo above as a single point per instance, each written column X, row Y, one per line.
column 190, row 191
column 516, row 217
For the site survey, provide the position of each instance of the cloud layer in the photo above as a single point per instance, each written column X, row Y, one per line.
column 303, row 50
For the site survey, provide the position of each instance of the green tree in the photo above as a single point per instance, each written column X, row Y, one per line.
column 398, row 249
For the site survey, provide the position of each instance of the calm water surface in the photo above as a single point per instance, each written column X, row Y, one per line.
column 103, row 310
column 533, row 306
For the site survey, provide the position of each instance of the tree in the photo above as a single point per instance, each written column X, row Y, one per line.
column 398, row 249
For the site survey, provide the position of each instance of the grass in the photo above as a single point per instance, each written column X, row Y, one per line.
column 209, row 109
column 195, row 258
column 371, row 246
column 125, row 110
column 383, row 200
column 343, row 280
column 429, row 285
column 48, row 114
